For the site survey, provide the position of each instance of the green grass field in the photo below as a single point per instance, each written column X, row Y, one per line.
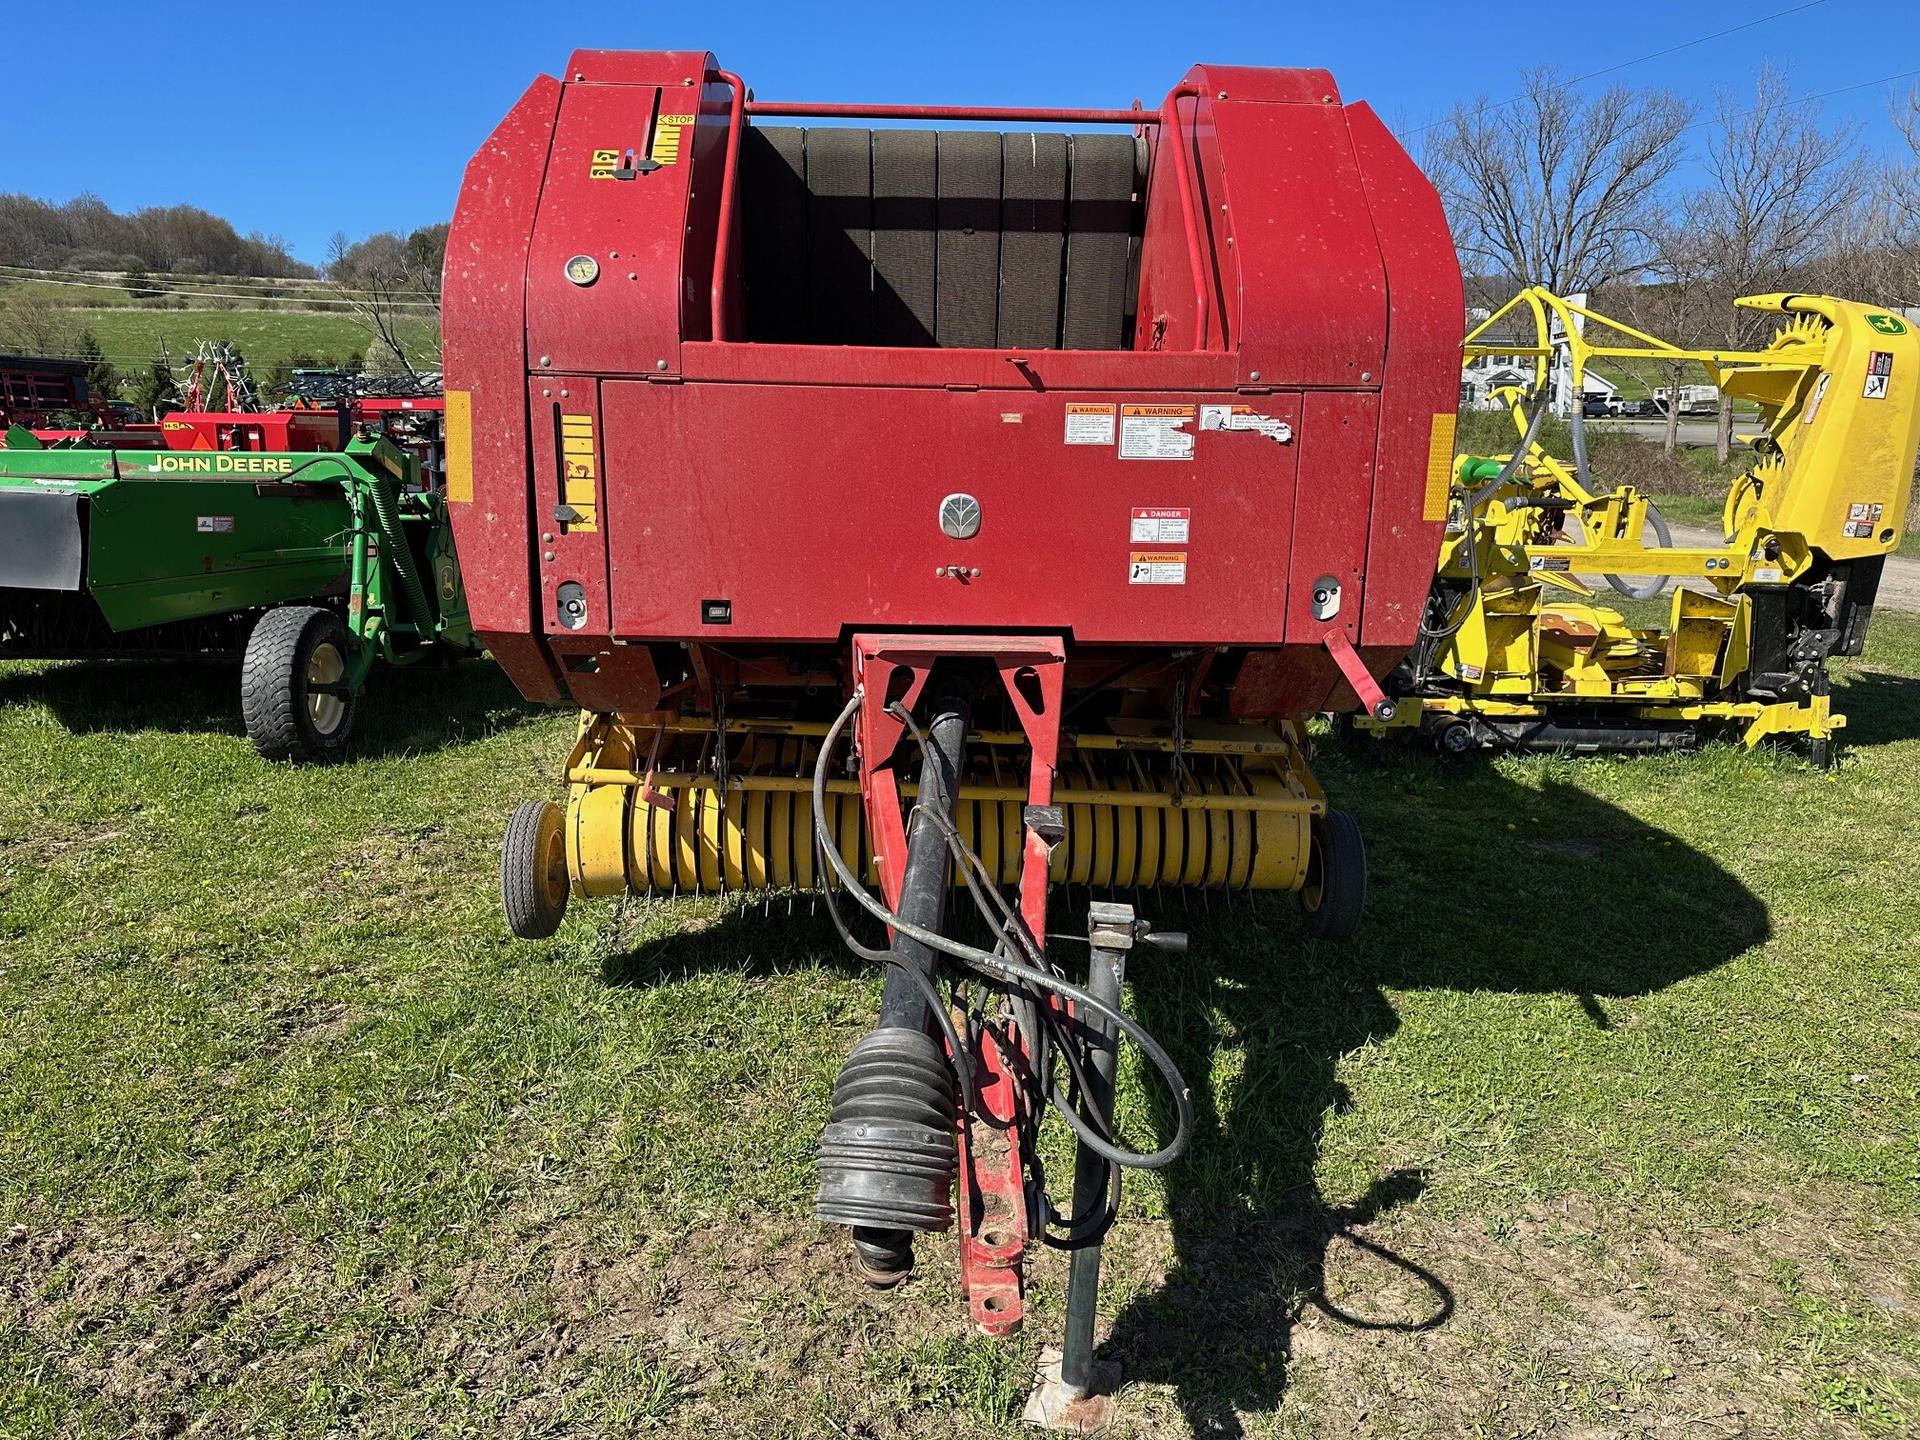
column 265, row 338
column 1604, row 1125
column 131, row 335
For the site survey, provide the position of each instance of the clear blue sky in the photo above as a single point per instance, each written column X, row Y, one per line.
column 307, row 119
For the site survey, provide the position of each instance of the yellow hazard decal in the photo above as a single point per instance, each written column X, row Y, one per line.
column 666, row 138
column 1439, row 466
column 579, row 470
column 459, row 437
column 603, row 164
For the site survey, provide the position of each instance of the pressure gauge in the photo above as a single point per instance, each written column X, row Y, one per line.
column 583, row 270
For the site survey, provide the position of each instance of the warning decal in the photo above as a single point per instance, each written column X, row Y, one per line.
column 1156, row 432
column 1157, row 567
column 213, row 524
column 1090, row 424
column 666, row 138
column 1879, row 373
column 1819, row 394
column 1439, row 466
column 1862, row 520
column 1244, row 417
column 1160, row 525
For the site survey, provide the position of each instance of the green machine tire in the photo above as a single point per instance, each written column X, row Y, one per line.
column 294, row 691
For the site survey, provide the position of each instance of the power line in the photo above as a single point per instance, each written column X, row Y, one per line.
column 220, row 281
column 1642, row 59
column 259, row 301
column 198, row 284
column 1803, row 99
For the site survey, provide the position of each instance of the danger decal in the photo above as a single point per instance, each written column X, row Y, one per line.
column 1161, row 525
column 1879, row 375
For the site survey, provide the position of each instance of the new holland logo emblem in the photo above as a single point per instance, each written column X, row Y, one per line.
column 960, row 516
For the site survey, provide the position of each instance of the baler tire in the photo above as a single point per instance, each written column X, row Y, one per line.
column 1335, row 891
column 286, row 719
column 533, row 870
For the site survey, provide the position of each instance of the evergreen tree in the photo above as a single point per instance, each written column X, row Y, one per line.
column 157, row 390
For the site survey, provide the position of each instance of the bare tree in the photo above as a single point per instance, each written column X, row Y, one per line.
column 1881, row 258
column 1554, row 188
column 392, row 286
column 1672, row 302
column 1782, row 189
column 32, row 324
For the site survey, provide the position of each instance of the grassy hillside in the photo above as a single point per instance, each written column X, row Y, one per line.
column 265, row 338
column 1604, row 1125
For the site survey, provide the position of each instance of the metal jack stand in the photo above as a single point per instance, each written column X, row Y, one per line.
column 1072, row 1393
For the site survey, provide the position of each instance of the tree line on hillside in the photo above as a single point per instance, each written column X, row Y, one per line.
column 86, row 234
column 1592, row 194
column 389, row 282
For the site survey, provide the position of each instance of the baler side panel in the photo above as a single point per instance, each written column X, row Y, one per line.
column 569, row 471
column 1420, row 393
column 483, row 320
column 850, row 530
column 1312, row 295
column 1337, row 435
column 1165, row 309
column 626, row 320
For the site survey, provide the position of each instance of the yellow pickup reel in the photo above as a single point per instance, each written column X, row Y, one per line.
column 1515, row 652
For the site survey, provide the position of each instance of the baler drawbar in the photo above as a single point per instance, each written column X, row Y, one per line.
column 955, row 514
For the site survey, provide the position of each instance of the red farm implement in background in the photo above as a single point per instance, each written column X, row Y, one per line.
column 960, row 513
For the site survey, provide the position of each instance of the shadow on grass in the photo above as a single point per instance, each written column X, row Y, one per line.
column 405, row 709
column 773, row 935
column 1459, row 901
column 1880, row 708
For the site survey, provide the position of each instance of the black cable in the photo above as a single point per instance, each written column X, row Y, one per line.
column 1012, row 972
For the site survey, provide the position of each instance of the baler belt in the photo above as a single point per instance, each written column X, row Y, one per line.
column 969, row 251
column 1033, row 218
column 773, row 167
column 840, row 235
column 954, row 238
column 1099, row 220
column 904, row 168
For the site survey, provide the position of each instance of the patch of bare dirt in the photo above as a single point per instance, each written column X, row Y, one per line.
column 141, row 1320
column 1577, row 1321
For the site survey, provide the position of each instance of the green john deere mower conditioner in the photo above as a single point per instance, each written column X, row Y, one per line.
column 309, row 568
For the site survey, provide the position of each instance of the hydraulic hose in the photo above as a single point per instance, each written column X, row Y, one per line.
column 397, row 553
column 1652, row 585
column 1008, row 971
